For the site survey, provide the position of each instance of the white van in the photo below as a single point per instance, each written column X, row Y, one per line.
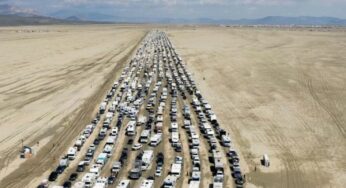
column 145, row 135
column 175, row 137
column 156, row 139
column 71, row 154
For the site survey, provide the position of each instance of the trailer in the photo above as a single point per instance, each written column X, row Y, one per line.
column 147, row 184
column 89, row 179
column 147, row 159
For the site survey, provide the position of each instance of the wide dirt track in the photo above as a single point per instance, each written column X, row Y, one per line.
column 277, row 92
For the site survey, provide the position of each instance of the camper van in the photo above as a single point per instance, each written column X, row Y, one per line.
column 156, row 139
column 145, row 135
column 89, row 179
column 147, row 184
column 147, row 158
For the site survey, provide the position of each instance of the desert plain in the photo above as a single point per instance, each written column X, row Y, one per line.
column 276, row 91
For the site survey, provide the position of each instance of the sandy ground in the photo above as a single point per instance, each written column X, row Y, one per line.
column 278, row 92
column 51, row 80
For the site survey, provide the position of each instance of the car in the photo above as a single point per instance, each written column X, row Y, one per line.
column 111, row 179
column 239, row 180
column 151, row 178
column 160, row 159
column 60, row 169
column 53, row 176
column 73, row 176
column 130, row 142
column 158, row 171
column 80, row 167
column 96, row 142
column 67, row 184
column 136, row 146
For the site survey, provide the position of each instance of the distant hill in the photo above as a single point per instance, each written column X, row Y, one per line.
column 16, row 16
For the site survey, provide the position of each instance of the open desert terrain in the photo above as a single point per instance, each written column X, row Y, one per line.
column 276, row 92
column 51, row 79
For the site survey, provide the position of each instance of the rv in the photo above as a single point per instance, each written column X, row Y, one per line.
column 147, row 159
column 176, row 169
column 89, row 179
column 156, row 139
column 147, row 184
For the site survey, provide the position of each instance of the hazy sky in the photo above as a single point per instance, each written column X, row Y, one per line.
column 218, row 9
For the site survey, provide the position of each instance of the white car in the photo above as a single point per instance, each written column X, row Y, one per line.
column 137, row 146
column 158, row 171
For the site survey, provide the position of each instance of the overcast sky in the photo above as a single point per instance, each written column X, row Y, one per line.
column 217, row 9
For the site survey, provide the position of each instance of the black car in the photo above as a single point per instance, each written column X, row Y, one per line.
column 73, row 176
column 96, row 141
column 81, row 168
column 160, row 159
column 53, row 176
column 130, row 142
column 60, row 169
column 178, row 148
column 67, row 184
column 111, row 179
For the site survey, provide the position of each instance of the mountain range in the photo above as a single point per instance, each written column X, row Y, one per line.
column 13, row 15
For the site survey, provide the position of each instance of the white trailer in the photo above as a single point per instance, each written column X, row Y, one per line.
column 89, row 179
column 147, row 184
column 176, row 169
column 147, row 158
